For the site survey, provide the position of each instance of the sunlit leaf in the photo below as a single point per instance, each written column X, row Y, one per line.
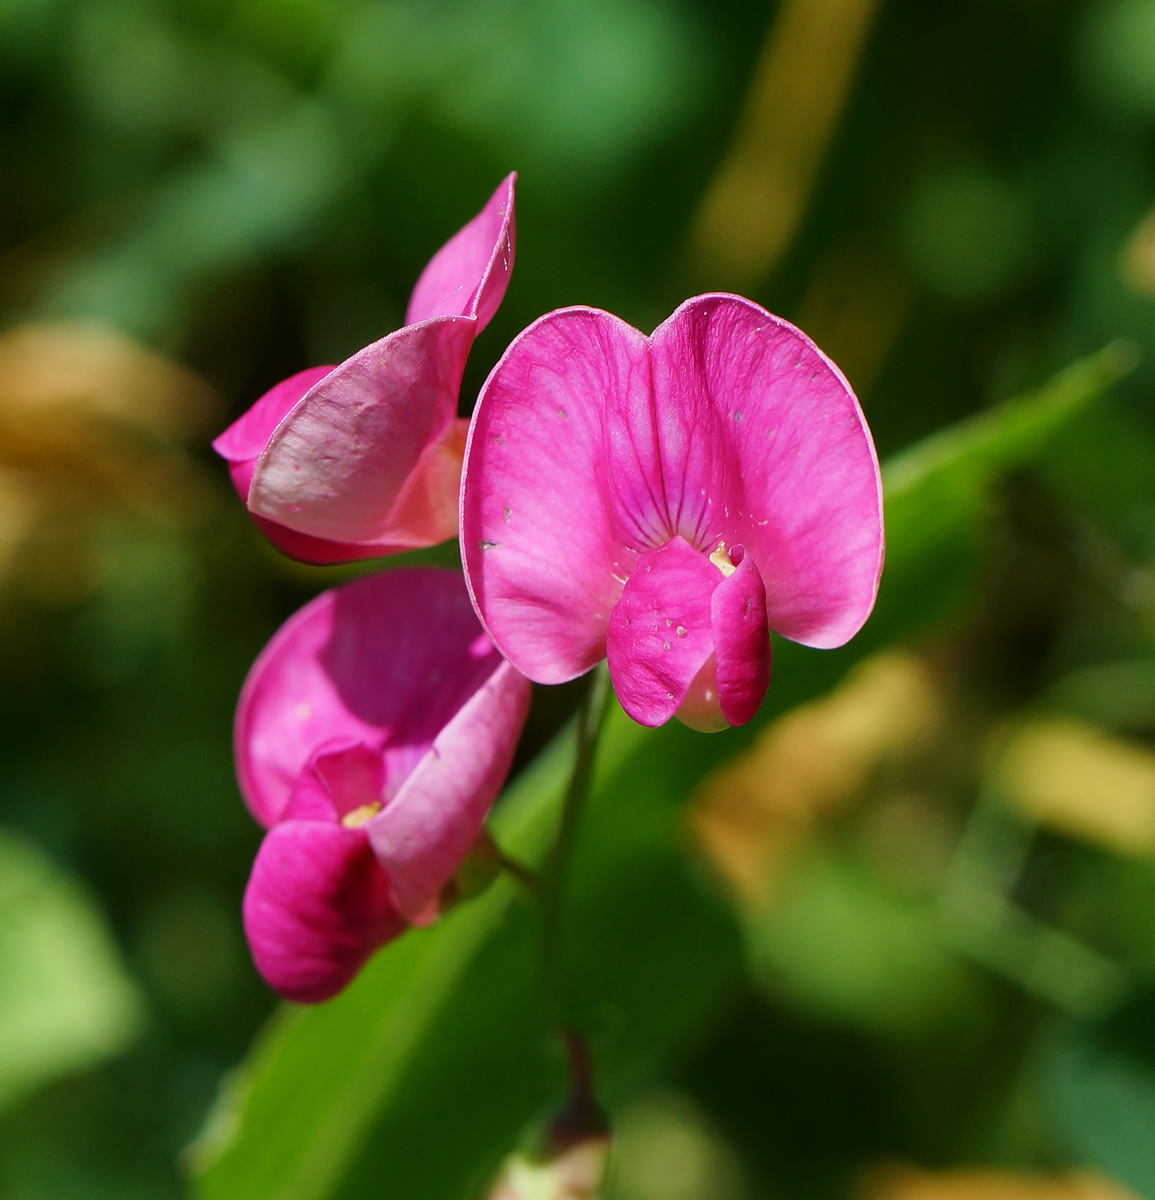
column 65, row 1001
column 1102, row 1087
column 938, row 491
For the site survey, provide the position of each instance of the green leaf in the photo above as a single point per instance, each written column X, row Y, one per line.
column 843, row 944
column 1101, row 1084
column 426, row 1069
column 938, row 491
column 65, row 1001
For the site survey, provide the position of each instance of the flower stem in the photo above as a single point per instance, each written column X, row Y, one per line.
column 590, row 719
column 525, row 875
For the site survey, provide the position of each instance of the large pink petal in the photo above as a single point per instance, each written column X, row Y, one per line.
column 546, row 539
column 386, row 661
column 468, row 276
column 241, row 445
column 336, row 465
column 741, row 640
column 316, row 906
column 424, row 832
column 660, row 631
column 763, row 443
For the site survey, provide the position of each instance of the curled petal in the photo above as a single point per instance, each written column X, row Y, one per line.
column 542, row 539
column 241, row 445
column 316, row 906
column 763, row 443
column 741, row 641
column 660, row 632
column 425, row 831
column 385, row 662
column 336, row 465
column 468, row 276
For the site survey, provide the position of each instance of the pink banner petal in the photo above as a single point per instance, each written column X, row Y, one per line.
column 336, row 465
column 386, row 662
column 763, row 443
column 468, row 276
column 241, row 444
column 541, row 532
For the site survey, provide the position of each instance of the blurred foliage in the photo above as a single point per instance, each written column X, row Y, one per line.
column 896, row 941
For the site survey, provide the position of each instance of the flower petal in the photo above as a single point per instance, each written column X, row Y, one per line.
column 336, row 465
column 468, row 276
column 241, row 444
column 543, row 535
column 386, row 661
column 660, row 631
column 763, row 443
column 741, row 640
column 316, row 906
column 424, row 832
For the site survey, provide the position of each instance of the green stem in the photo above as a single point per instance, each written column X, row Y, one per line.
column 590, row 719
column 525, row 875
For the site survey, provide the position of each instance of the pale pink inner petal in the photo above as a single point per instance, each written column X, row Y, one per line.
column 384, row 662
column 660, row 631
column 700, row 709
column 316, row 906
column 354, row 778
column 247, row 436
column 426, row 509
column 741, row 640
column 542, row 533
column 336, row 464
column 425, row 830
column 764, row 444
column 417, row 524
column 468, row 276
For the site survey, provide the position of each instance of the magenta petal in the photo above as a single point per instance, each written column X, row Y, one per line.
column 241, row 445
column 385, row 662
column 660, row 630
column 741, row 641
column 468, row 276
column 316, row 906
column 247, row 436
column 354, row 777
column 336, row 465
column 424, row 832
column 541, row 535
column 763, row 443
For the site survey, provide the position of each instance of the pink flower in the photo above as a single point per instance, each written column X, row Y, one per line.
column 372, row 735
column 666, row 501
column 364, row 459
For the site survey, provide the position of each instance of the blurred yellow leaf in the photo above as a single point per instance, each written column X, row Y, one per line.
column 1074, row 778
column 58, row 377
column 751, row 813
column 854, row 307
column 1137, row 260
column 975, row 1183
column 90, row 422
column 796, row 97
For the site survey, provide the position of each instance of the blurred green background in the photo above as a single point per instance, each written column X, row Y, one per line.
column 894, row 942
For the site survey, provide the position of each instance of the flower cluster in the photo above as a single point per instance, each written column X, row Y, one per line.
column 663, row 502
